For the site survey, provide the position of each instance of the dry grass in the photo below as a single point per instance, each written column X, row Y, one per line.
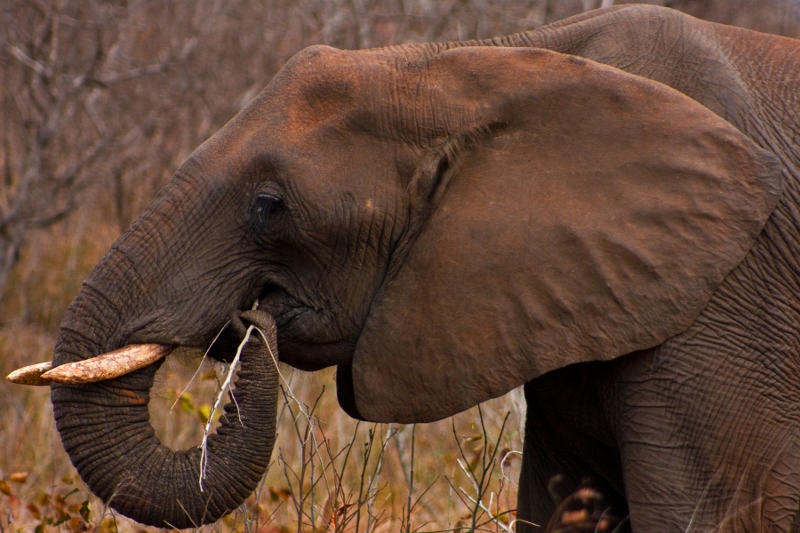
column 329, row 472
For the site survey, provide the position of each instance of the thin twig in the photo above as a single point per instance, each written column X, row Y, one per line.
column 410, row 480
column 225, row 386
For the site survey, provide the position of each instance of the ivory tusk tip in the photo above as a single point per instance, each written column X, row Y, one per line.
column 31, row 374
column 100, row 368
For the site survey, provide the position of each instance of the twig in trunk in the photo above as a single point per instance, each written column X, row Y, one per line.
column 225, row 386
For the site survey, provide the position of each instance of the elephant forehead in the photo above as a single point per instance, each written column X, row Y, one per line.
column 303, row 112
column 316, row 86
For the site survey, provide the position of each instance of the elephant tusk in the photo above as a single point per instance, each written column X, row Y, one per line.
column 31, row 374
column 107, row 366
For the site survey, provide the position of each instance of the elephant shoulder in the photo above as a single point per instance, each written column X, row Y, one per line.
column 690, row 55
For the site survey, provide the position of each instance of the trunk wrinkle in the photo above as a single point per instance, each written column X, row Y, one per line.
column 105, row 428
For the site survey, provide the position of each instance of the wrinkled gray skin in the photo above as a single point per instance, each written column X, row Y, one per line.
column 704, row 429
column 696, row 430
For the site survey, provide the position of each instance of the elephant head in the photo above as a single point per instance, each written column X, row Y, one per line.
column 443, row 223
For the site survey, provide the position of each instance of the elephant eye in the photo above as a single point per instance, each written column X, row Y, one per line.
column 265, row 205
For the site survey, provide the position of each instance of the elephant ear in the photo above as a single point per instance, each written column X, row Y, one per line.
column 576, row 213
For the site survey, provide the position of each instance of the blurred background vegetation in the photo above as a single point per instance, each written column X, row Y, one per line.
column 100, row 102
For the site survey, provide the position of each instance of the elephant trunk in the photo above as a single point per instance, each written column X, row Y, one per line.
column 105, row 428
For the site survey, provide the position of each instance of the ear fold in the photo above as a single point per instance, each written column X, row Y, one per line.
column 584, row 214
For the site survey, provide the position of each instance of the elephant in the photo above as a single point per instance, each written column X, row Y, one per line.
column 605, row 210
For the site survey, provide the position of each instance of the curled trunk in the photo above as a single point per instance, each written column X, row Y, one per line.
column 105, row 428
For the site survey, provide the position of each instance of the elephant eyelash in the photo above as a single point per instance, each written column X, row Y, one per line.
column 264, row 206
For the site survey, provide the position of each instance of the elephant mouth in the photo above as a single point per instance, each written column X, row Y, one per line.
column 308, row 338
column 288, row 317
column 283, row 306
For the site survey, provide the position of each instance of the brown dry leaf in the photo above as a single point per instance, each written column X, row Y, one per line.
column 5, row 488
column 276, row 494
column 76, row 524
column 34, row 509
column 18, row 477
column 575, row 517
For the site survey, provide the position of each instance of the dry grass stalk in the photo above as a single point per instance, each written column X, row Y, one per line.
column 225, row 387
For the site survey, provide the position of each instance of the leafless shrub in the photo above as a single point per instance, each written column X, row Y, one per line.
column 479, row 470
column 325, row 494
